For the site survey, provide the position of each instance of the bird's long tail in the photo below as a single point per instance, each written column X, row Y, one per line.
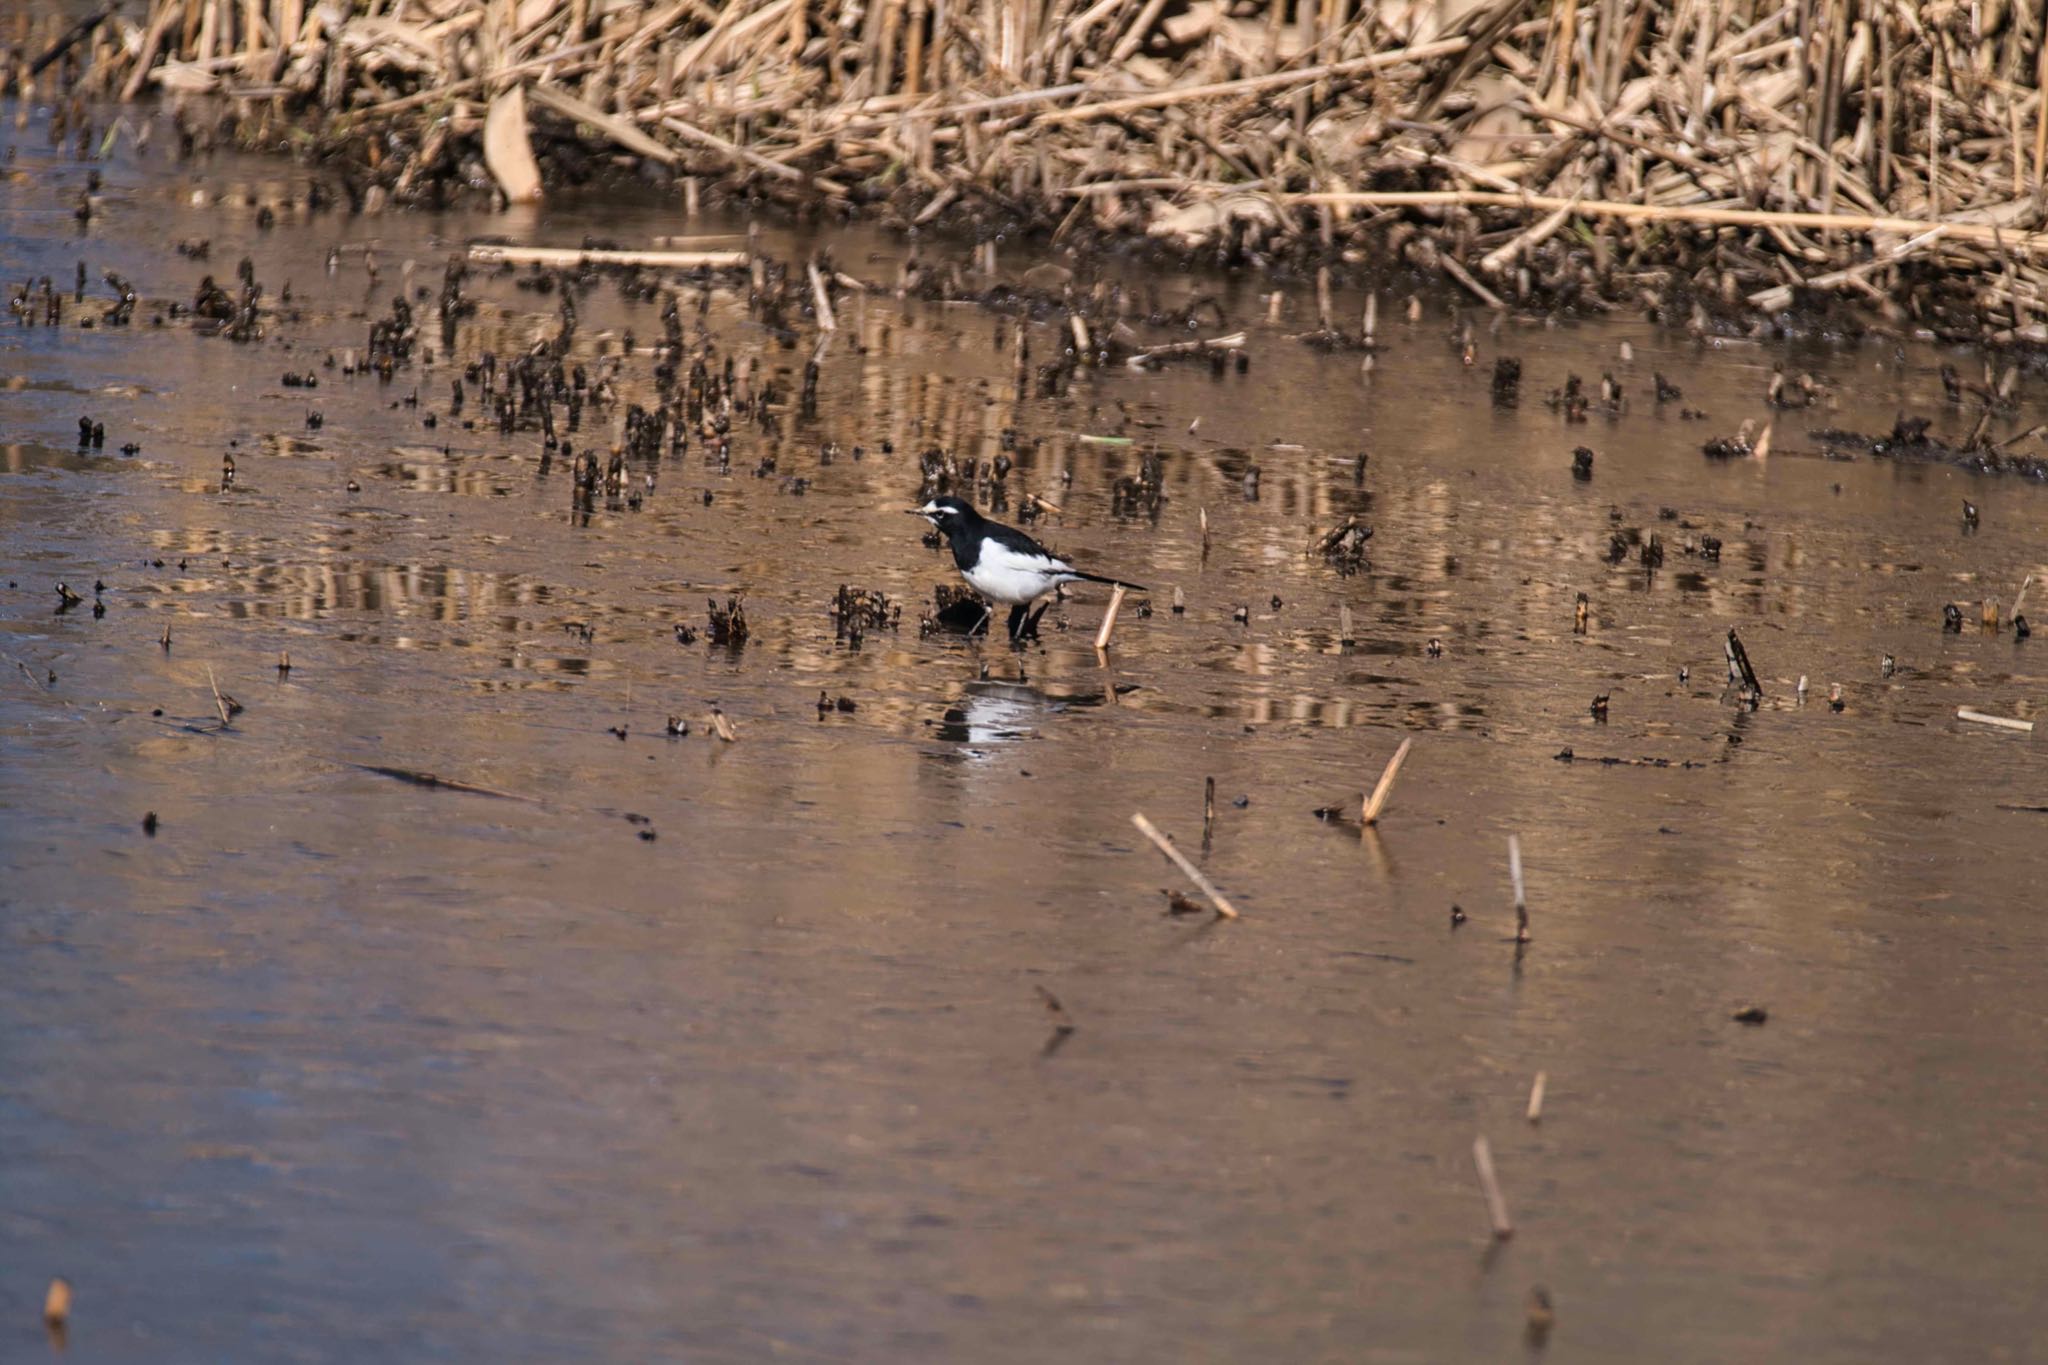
column 1113, row 582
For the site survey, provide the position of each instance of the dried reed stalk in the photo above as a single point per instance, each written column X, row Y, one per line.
column 1384, row 788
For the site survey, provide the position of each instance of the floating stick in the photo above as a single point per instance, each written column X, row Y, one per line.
column 1536, row 1097
column 570, row 257
column 2002, row 722
column 1194, row 874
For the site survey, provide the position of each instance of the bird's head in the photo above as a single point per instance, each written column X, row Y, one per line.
column 944, row 513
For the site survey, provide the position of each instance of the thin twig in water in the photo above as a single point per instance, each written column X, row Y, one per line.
column 219, row 702
column 823, row 300
column 1194, row 874
column 429, row 780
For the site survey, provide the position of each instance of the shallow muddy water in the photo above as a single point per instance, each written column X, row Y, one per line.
column 337, row 1066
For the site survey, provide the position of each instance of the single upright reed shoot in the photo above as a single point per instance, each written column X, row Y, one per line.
column 1384, row 788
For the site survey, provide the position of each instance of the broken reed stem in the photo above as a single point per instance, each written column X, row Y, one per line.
column 1377, row 802
column 572, row 257
column 1224, row 908
column 1208, row 809
column 1116, row 604
column 1489, row 1186
column 2020, row 597
column 220, row 703
column 823, row 299
column 1695, row 215
column 1254, row 85
column 1478, row 290
column 1536, row 1097
column 1739, row 668
column 1521, row 900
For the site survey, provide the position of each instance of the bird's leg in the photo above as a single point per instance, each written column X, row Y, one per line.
column 987, row 611
column 1016, row 623
column 1031, row 626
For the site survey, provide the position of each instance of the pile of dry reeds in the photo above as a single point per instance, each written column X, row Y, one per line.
column 1721, row 154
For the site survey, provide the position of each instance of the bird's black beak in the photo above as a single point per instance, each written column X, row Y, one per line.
column 915, row 511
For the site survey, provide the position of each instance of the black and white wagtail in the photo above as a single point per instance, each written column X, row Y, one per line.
column 1002, row 563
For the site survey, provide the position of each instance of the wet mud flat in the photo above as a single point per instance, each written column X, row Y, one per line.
column 868, row 1031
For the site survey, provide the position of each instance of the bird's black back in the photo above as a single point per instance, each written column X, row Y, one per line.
column 967, row 531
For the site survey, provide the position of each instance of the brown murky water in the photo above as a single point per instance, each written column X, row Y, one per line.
column 337, row 1067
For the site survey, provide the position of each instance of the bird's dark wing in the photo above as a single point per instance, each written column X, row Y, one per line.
column 1014, row 540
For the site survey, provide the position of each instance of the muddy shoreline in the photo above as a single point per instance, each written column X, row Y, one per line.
column 1749, row 171
column 374, row 171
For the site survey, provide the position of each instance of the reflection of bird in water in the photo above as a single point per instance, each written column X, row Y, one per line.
column 992, row 713
column 995, row 712
column 1002, row 563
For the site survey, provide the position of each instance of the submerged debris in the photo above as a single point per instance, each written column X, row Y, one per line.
column 729, row 622
column 856, row 611
column 1344, row 548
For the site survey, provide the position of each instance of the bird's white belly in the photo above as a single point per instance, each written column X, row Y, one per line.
column 1004, row 576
